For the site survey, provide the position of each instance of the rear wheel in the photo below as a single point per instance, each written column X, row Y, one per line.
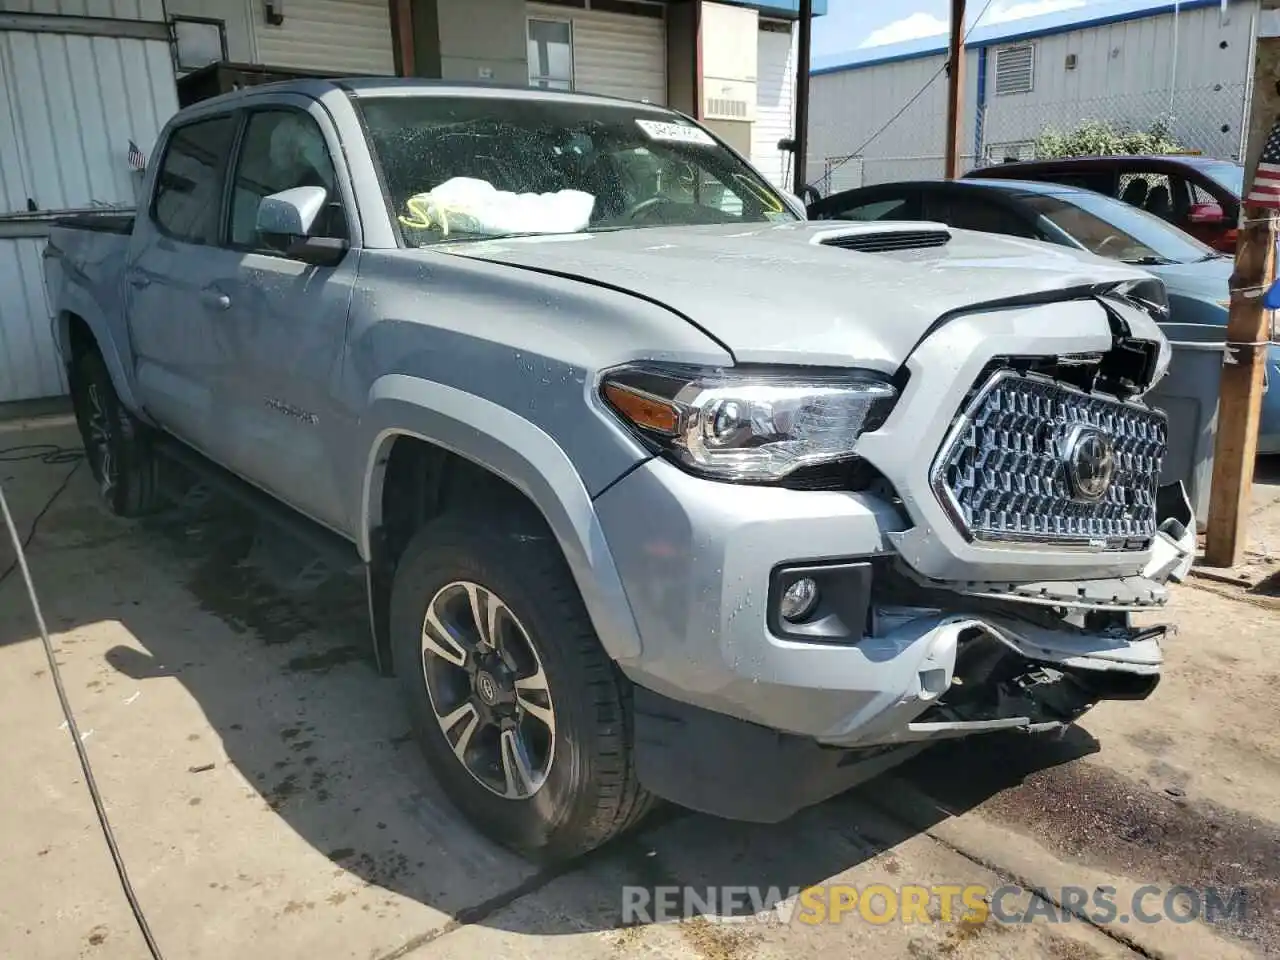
column 520, row 712
column 117, row 446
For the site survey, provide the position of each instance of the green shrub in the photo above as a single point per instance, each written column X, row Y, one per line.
column 1099, row 138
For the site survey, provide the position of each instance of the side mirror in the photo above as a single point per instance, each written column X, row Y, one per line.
column 289, row 216
column 1206, row 214
column 290, row 213
column 318, row 251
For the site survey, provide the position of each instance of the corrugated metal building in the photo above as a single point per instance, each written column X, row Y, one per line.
column 80, row 80
column 70, row 102
column 1187, row 64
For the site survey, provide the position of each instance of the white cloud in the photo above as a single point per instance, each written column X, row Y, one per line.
column 1002, row 11
column 920, row 25
column 914, row 27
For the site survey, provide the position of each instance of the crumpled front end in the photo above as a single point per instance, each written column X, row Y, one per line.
column 981, row 569
column 1040, row 527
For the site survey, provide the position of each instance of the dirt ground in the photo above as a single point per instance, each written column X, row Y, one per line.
column 269, row 802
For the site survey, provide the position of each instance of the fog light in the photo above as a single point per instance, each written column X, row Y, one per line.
column 798, row 600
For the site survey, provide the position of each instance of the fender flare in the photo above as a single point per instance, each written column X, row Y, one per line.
column 76, row 303
column 518, row 451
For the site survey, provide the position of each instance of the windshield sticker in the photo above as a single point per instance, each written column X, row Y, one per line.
column 676, row 133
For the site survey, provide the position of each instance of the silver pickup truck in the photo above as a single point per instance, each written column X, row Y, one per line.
column 686, row 498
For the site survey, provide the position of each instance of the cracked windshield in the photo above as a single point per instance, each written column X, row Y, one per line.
column 473, row 168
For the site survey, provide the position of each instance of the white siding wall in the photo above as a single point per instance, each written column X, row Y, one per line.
column 29, row 364
column 775, row 104
column 341, row 36
column 69, row 105
column 615, row 54
column 847, row 107
column 1124, row 73
column 120, row 9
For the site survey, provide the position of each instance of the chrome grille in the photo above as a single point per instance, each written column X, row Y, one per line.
column 1002, row 473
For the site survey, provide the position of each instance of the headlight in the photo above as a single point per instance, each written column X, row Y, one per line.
column 1148, row 293
column 744, row 424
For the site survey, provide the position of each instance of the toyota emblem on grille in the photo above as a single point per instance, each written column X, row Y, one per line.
column 1089, row 456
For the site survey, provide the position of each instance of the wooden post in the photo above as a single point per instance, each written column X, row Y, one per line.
column 1248, row 327
column 803, row 46
column 955, row 85
column 402, row 34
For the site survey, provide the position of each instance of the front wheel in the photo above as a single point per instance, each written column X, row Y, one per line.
column 522, row 715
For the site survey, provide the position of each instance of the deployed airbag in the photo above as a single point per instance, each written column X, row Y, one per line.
column 470, row 206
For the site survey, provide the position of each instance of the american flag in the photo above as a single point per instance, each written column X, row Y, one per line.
column 138, row 159
column 1265, row 191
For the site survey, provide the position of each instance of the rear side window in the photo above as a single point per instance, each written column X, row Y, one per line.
column 886, row 208
column 189, row 185
column 968, row 213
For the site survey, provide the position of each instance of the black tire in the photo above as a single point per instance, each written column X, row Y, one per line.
column 591, row 793
column 117, row 445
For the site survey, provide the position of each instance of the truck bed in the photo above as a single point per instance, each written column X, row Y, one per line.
column 84, row 263
column 99, row 222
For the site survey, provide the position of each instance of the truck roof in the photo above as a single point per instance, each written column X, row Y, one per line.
column 360, row 87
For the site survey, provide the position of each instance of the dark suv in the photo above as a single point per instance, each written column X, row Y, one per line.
column 1198, row 194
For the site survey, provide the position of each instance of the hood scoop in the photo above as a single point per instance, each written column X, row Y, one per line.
column 885, row 237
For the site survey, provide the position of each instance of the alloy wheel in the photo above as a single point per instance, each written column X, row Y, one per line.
column 99, row 444
column 488, row 690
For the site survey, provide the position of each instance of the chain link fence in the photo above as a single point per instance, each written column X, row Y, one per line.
column 1209, row 120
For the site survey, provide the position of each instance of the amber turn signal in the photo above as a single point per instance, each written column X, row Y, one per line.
column 645, row 410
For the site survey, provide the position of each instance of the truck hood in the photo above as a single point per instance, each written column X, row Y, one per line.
column 775, row 293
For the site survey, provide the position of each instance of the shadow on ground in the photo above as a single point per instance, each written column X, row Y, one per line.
column 302, row 714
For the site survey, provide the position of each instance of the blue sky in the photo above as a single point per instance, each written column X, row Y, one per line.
column 853, row 24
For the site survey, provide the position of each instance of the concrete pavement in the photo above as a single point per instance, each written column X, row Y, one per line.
column 269, row 802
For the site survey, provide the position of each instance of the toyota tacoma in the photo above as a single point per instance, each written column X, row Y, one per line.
column 659, row 489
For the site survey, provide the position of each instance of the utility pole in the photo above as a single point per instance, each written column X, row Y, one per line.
column 804, row 45
column 955, row 84
column 1248, row 328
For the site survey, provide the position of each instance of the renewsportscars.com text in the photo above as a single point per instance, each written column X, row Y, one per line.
column 909, row 904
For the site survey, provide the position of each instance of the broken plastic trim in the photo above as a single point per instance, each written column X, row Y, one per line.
column 994, row 686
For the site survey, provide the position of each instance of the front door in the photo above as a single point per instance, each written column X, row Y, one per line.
column 172, row 306
column 285, row 324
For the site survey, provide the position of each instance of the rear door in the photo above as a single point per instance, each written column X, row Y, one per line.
column 174, row 258
column 285, row 323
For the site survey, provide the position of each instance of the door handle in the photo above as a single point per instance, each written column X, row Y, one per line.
column 139, row 280
column 219, row 301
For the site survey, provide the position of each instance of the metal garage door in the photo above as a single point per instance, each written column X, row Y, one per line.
column 618, row 54
column 775, row 104
column 333, row 36
column 69, row 105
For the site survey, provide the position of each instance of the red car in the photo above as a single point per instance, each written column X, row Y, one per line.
column 1197, row 194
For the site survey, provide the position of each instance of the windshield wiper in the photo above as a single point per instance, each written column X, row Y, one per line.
column 481, row 237
column 1148, row 262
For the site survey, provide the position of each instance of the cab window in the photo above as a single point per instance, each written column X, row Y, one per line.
column 282, row 149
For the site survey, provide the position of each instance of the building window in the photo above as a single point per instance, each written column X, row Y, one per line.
column 1015, row 69
column 1009, row 152
column 198, row 42
column 551, row 54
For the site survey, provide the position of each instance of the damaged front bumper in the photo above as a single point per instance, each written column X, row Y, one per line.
column 998, row 667
column 732, row 719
